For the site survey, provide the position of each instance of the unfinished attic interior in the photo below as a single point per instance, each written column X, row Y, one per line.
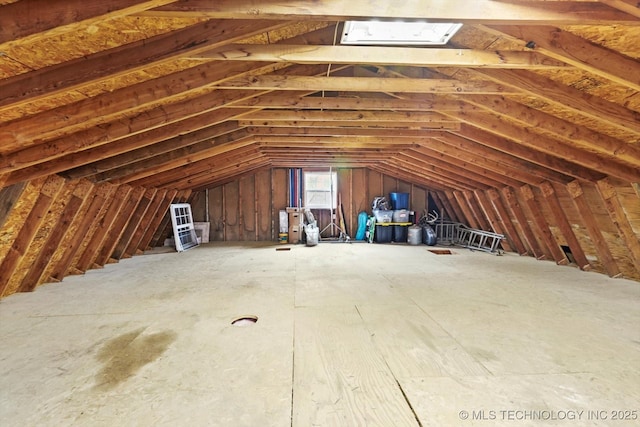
column 517, row 118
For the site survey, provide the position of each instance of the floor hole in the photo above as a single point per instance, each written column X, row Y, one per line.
column 283, row 249
column 441, row 251
column 244, row 320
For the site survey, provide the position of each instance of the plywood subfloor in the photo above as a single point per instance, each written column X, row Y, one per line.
column 347, row 335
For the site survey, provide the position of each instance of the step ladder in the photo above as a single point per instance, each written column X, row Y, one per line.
column 455, row 233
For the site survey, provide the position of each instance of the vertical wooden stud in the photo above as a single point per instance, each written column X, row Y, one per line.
column 528, row 233
column 360, row 195
column 279, row 196
column 247, row 208
column 478, row 214
column 543, row 226
column 453, row 201
column 374, row 180
column 8, row 197
column 563, row 224
column 119, row 226
column 70, row 240
column 161, row 212
column 616, row 213
column 510, row 230
column 133, row 222
column 495, row 223
column 65, row 218
column 466, row 210
column 47, row 193
column 90, row 253
column 599, row 242
column 134, row 245
column 445, row 206
column 96, row 205
column 266, row 225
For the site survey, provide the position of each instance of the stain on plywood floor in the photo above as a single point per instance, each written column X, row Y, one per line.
column 125, row 355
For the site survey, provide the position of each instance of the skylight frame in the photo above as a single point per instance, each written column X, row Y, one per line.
column 398, row 33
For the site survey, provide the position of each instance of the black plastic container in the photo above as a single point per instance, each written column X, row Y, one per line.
column 384, row 233
column 400, row 233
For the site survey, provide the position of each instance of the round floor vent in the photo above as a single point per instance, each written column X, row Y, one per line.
column 244, row 320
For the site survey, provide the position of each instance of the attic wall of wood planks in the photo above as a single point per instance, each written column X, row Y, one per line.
column 593, row 226
column 247, row 209
column 52, row 227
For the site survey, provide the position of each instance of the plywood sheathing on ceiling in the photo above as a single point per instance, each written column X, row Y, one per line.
column 149, row 102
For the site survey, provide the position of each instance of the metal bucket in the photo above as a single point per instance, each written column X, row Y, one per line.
column 414, row 235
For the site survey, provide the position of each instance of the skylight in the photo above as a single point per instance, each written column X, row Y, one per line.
column 398, row 33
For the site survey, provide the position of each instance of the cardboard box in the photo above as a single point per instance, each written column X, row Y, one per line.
column 295, row 218
column 294, row 233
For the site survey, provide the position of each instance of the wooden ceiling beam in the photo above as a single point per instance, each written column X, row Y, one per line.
column 567, row 98
column 364, row 84
column 344, row 141
column 574, row 50
column 394, row 171
column 480, row 11
column 390, row 127
column 202, row 172
column 582, row 136
column 31, row 166
column 180, row 156
column 499, row 161
column 287, row 100
column 528, row 154
column 324, row 163
column 373, row 55
column 153, row 162
column 35, row 17
column 334, row 161
column 101, row 135
column 460, row 162
column 454, row 166
column 550, row 147
column 347, row 116
column 343, row 131
column 121, row 60
column 410, row 165
column 184, row 171
column 626, row 6
column 355, row 155
column 310, row 146
column 108, row 161
column 135, row 99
